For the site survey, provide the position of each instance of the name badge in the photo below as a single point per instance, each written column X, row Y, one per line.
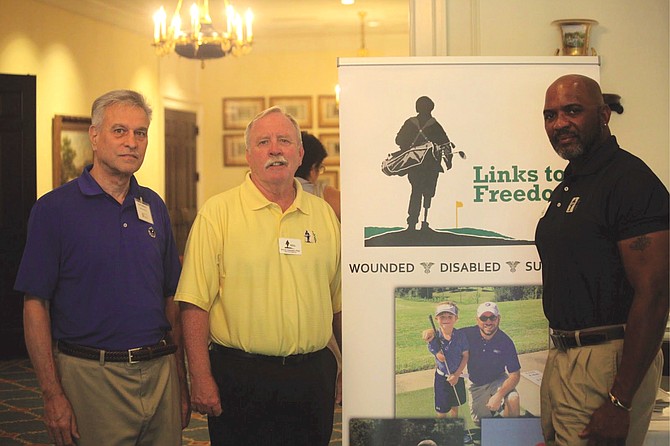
column 573, row 204
column 143, row 211
column 290, row 246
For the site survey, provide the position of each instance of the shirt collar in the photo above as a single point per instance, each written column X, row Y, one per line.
column 595, row 160
column 252, row 195
column 89, row 186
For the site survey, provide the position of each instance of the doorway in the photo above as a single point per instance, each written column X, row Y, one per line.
column 181, row 176
column 18, row 191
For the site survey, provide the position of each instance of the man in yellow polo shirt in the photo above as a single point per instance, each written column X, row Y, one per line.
column 260, row 294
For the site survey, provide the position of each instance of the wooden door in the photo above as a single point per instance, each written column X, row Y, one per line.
column 18, row 190
column 181, row 175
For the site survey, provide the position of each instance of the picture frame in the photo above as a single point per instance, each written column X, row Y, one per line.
column 329, row 111
column 238, row 112
column 300, row 107
column 71, row 148
column 234, row 150
column 330, row 177
column 331, row 142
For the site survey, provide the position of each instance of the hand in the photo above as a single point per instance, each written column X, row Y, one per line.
column 494, row 402
column 608, row 426
column 428, row 335
column 60, row 421
column 338, row 389
column 205, row 396
column 185, row 406
column 452, row 379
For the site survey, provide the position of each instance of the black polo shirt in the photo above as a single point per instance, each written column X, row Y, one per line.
column 608, row 196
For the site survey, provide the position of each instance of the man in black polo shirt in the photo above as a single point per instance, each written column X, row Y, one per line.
column 603, row 242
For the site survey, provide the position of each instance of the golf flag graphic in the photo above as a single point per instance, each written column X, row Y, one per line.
column 459, row 204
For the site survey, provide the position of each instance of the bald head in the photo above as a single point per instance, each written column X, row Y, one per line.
column 585, row 87
column 575, row 115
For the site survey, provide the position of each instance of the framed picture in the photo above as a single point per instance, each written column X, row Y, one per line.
column 330, row 177
column 71, row 148
column 329, row 112
column 234, row 150
column 237, row 112
column 331, row 141
column 300, row 107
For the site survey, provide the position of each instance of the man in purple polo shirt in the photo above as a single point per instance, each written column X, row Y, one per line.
column 99, row 271
column 493, row 366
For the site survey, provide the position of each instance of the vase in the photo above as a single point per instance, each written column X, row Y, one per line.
column 575, row 35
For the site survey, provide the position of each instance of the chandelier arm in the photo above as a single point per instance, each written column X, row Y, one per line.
column 204, row 41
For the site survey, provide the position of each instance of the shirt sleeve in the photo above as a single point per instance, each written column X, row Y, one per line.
column 513, row 363
column 336, row 282
column 39, row 268
column 200, row 275
column 434, row 345
column 464, row 342
column 171, row 263
column 639, row 204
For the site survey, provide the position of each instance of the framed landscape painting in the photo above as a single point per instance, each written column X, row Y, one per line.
column 71, row 148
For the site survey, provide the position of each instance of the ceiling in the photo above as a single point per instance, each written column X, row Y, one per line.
column 271, row 17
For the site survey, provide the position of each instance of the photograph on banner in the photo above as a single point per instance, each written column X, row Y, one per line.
column 455, row 346
column 516, row 432
column 405, row 432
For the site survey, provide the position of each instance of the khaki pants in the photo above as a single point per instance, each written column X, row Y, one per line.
column 576, row 382
column 123, row 404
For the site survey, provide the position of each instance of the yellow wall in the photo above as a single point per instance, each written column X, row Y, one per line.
column 76, row 59
column 289, row 67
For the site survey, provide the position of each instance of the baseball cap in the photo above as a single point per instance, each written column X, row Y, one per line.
column 488, row 307
column 449, row 308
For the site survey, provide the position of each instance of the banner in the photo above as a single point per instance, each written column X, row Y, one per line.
column 445, row 171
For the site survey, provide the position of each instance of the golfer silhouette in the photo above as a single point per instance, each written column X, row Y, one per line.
column 420, row 130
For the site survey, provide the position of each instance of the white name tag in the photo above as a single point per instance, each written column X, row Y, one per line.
column 290, row 246
column 143, row 211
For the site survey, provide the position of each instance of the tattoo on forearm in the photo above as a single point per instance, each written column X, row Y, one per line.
column 641, row 243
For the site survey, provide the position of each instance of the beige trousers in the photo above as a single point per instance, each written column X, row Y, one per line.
column 123, row 404
column 576, row 382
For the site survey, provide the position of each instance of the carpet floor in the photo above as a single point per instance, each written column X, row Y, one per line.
column 21, row 411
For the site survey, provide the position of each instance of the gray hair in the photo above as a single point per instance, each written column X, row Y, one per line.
column 264, row 113
column 127, row 97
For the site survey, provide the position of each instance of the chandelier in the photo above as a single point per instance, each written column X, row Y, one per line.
column 201, row 40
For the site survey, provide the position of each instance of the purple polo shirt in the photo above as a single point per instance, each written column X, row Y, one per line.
column 489, row 360
column 105, row 272
column 453, row 350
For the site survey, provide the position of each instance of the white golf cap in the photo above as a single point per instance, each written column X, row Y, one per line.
column 488, row 307
column 449, row 308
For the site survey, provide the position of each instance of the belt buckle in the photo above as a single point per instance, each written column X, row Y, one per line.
column 559, row 342
column 130, row 355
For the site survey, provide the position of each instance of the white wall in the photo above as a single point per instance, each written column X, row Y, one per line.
column 632, row 41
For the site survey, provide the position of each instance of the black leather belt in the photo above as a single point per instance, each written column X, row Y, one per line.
column 130, row 356
column 284, row 360
column 564, row 340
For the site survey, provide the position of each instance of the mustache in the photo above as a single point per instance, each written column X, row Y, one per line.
column 564, row 132
column 276, row 160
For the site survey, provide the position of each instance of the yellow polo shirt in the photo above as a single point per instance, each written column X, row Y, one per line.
column 270, row 280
